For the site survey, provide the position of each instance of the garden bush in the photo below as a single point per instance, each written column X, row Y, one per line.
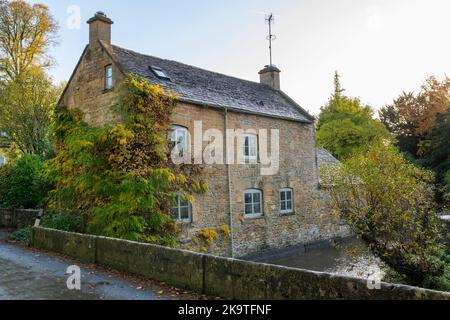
column 24, row 183
column 21, row 235
column 64, row 222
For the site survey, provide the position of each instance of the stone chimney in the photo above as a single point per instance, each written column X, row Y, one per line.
column 270, row 76
column 99, row 29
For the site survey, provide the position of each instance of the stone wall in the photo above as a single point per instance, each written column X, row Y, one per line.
column 7, row 218
column 17, row 218
column 218, row 276
column 298, row 171
column 209, row 210
column 86, row 88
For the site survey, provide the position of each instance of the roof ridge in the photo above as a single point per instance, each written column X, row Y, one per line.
column 199, row 68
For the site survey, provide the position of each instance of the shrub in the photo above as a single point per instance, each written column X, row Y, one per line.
column 21, row 235
column 24, row 184
column 63, row 222
column 5, row 174
column 388, row 203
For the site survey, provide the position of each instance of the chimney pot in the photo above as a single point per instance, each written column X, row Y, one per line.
column 270, row 76
column 99, row 29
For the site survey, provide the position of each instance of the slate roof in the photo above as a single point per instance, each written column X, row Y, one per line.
column 324, row 157
column 200, row 86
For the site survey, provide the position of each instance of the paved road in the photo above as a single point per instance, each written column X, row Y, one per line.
column 28, row 275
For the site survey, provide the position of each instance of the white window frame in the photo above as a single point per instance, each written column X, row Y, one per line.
column 286, row 201
column 176, row 132
column 253, row 203
column 250, row 156
column 109, row 77
column 176, row 210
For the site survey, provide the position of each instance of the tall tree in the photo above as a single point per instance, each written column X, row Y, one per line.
column 398, row 119
column 411, row 117
column 435, row 150
column 26, row 108
column 26, row 33
column 345, row 124
column 337, row 85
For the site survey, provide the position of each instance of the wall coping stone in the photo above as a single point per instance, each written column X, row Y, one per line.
column 220, row 276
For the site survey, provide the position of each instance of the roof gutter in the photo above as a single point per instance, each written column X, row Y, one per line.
column 237, row 110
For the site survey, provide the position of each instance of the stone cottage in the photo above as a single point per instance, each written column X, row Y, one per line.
column 263, row 212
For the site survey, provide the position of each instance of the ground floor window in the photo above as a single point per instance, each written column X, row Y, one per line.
column 253, row 203
column 182, row 209
column 286, row 201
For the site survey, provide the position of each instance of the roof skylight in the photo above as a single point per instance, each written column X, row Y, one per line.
column 159, row 72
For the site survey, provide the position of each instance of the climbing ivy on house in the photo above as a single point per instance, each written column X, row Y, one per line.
column 119, row 177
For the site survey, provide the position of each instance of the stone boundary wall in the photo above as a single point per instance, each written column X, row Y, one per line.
column 218, row 276
column 18, row 218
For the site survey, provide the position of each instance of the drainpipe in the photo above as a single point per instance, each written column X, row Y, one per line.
column 230, row 205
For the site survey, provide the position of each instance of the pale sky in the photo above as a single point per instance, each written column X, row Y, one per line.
column 380, row 47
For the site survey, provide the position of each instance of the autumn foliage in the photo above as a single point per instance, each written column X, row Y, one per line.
column 413, row 116
column 119, row 176
column 388, row 203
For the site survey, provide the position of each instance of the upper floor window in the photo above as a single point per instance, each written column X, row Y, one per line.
column 250, row 147
column 286, row 201
column 2, row 160
column 180, row 136
column 181, row 211
column 108, row 77
column 253, row 203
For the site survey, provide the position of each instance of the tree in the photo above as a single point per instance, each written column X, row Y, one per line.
column 435, row 151
column 337, row 85
column 26, row 33
column 388, row 203
column 26, row 109
column 345, row 125
column 411, row 117
column 399, row 121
